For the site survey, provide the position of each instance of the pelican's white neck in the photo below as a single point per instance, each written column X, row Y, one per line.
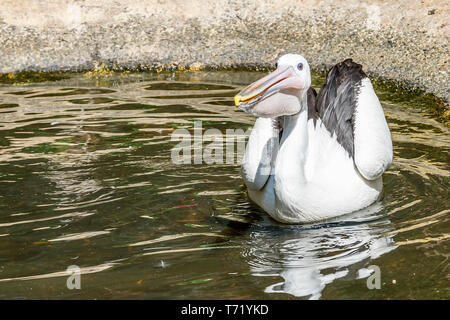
column 290, row 164
column 294, row 144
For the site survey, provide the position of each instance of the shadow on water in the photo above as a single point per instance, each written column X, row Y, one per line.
column 86, row 179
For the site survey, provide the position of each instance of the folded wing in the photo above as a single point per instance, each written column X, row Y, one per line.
column 349, row 109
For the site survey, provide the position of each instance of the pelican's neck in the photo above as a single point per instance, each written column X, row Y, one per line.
column 294, row 146
column 289, row 180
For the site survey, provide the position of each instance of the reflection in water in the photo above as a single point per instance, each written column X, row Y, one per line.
column 311, row 257
column 86, row 179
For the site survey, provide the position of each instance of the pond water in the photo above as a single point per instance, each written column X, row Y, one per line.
column 87, row 180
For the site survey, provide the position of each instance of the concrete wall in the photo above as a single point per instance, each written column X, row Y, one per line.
column 402, row 40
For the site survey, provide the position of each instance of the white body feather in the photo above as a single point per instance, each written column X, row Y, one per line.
column 373, row 144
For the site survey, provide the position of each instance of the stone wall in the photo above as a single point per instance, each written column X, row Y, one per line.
column 406, row 40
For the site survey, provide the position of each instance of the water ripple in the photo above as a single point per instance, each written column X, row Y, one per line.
column 86, row 178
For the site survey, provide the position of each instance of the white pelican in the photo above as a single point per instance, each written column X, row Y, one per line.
column 314, row 156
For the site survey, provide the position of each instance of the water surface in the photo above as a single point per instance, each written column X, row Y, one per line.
column 86, row 179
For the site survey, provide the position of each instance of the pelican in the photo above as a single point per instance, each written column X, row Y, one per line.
column 314, row 156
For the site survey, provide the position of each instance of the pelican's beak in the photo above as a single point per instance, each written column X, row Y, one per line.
column 283, row 78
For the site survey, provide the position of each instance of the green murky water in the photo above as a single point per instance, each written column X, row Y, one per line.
column 86, row 179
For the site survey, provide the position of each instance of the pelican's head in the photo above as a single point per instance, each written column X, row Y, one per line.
column 280, row 92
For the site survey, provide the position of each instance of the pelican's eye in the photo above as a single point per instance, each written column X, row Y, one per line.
column 276, row 65
column 300, row 66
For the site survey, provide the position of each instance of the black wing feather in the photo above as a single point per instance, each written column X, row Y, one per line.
column 336, row 101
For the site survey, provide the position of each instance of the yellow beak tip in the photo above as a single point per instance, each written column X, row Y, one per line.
column 237, row 99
